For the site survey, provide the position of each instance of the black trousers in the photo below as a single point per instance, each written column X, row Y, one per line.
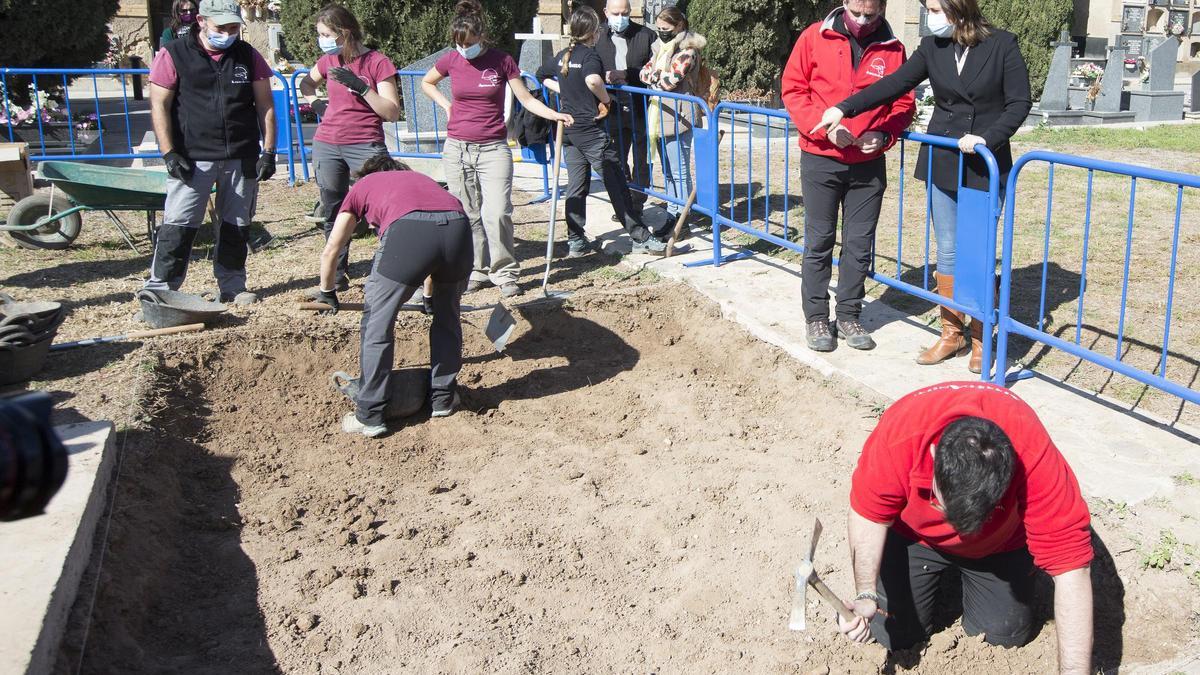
column 856, row 190
column 997, row 594
column 590, row 147
column 421, row 244
column 628, row 126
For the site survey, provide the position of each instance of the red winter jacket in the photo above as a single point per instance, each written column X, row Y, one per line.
column 1042, row 508
column 820, row 74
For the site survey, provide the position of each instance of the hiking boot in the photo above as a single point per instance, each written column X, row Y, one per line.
column 317, row 215
column 649, row 246
column 343, row 285
column 577, row 248
column 240, row 299
column 510, row 289
column 351, row 425
column 854, row 334
column 819, row 337
column 446, row 409
column 475, row 285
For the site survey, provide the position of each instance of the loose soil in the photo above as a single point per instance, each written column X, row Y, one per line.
column 628, row 488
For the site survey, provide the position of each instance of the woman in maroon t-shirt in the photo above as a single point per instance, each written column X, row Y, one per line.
column 423, row 233
column 362, row 91
column 476, row 158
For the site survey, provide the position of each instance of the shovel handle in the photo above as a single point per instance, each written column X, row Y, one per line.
column 320, row 306
column 189, row 328
column 830, row 597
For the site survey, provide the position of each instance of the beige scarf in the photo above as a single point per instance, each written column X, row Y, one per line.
column 662, row 63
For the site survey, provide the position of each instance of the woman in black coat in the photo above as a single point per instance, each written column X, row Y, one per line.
column 981, row 91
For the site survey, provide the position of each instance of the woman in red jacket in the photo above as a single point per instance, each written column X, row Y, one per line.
column 851, row 49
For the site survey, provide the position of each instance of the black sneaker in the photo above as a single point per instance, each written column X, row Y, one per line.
column 650, row 246
column 854, row 334
column 445, row 408
column 819, row 337
column 475, row 285
column 577, row 248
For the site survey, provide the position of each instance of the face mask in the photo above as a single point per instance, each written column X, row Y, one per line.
column 187, row 17
column 938, row 24
column 618, row 23
column 328, row 45
column 221, row 41
column 666, row 35
column 471, row 52
column 862, row 25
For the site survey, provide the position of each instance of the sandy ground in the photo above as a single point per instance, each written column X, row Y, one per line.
column 627, row 489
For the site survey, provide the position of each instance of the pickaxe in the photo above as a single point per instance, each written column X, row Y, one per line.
column 807, row 576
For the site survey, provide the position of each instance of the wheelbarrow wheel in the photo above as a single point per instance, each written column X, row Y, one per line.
column 55, row 234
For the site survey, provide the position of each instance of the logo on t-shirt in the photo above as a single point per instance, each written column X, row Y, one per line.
column 489, row 78
column 878, row 67
column 240, row 74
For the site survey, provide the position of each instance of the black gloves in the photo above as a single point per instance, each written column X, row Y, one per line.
column 178, row 167
column 327, row 298
column 320, row 106
column 354, row 83
column 266, row 166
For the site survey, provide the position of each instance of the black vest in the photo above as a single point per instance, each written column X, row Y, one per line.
column 213, row 115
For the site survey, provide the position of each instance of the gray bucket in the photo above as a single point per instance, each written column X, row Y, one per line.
column 409, row 390
column 167, row 309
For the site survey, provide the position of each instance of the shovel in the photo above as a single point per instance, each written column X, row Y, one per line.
column 134, row 335
column 558, row 142
column 498, row 330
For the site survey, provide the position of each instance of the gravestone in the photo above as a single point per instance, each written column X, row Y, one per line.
column 1109, row 98
column 537, row 48
column 1056, row 93
column 1158, row 100
column 419, row 108
column 1196, row 92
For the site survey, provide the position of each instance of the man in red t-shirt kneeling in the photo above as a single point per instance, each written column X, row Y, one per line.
column 963, row 475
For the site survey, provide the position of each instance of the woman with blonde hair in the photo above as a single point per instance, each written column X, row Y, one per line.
column 981, row 91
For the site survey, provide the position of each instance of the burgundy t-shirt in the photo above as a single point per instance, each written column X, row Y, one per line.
column 477, row 109
column 383, row 198
column 349, row 119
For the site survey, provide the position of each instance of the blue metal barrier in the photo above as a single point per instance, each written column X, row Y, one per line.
column 1009, row 326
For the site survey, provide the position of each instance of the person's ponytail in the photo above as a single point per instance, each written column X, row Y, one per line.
column 582, row 25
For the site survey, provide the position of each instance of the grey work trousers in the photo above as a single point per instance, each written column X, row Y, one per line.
column 480, row 175
column 421, row 244
column 333, row 165
column 183, row 214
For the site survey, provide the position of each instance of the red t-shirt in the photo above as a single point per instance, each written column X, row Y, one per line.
column 163, row 73
column 383, row 198
column 477, row 86
column 349, row 119
column 1042, row 508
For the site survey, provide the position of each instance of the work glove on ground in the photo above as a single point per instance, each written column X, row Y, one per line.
column 354, row 83
column 266, row 166
column 178, row 166
column 328, row 298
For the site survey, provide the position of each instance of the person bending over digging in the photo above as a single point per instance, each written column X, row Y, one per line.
column 577, row 73
column 963, row 475
column 423, row 232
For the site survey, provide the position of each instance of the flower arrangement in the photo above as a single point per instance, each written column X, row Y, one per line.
column 307, row 114
column 50, row 112
column 1088, row 71
column 87, row 121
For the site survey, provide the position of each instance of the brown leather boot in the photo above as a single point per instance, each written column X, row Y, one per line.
column 975, row 364
column 952, row 342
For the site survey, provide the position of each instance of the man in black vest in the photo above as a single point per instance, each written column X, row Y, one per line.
column 210, row 95
column 624, row 48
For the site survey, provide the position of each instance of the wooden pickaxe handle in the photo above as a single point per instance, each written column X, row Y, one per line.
column 831, row 597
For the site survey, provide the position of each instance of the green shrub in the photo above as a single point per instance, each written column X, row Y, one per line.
column 37, row 36
column 406, row 30
column 750, row 40
column 1036, row 25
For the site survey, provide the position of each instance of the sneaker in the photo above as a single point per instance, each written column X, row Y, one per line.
column 342, row 286
column 854, row 334
column 475, row 285
column 650, row 246
column 577, row 248
column 510, row 289
column 819, row 338
column 446, row 410
column 240, row 299
column 351, row 425
column 317, row 215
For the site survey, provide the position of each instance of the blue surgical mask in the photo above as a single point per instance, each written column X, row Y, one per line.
column 471, row 52
column 328, row 45
column 938, row 24
column 221, row 41
column 618, row 23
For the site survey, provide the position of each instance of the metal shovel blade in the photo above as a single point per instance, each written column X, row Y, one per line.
column 500, row 327
column 800, row 596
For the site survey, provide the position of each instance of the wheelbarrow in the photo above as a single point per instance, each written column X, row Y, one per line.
column 52, row 221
